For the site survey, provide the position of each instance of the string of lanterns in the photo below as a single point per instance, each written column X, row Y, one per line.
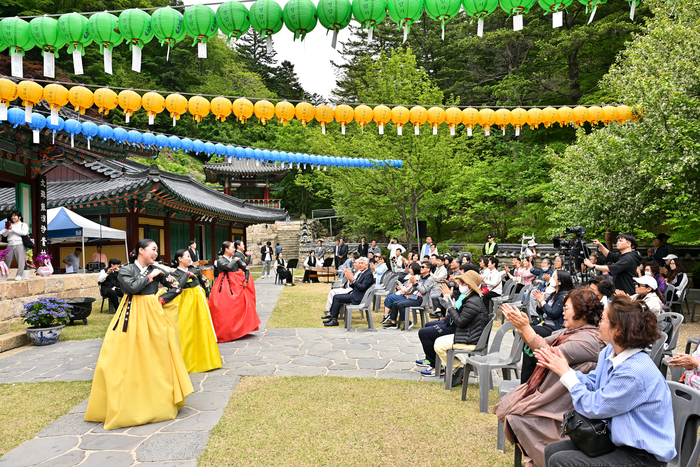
column 105, row 99
column 16, row 117
column 136, row 28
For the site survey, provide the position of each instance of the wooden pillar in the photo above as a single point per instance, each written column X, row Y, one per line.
column 192, row 232
column 166, row 237
column 227, row 186
column 214, row 247
column 132, row 227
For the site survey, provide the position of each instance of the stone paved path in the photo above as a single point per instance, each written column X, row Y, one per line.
column 70, row 440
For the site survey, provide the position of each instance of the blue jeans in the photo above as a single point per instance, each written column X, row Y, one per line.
column 399, row 306
column 430, row 333
column 391, row 298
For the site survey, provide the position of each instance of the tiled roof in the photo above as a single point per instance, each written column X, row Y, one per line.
column 212, row 171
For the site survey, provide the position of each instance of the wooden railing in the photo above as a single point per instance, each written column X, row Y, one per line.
column 266, row 203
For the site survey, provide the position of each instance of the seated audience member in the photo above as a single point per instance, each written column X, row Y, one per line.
column 379, row 268
column 678, row 278
column 492, row 281
column 648, row 293
column 359, row 282
column 691, row 365
column 533, row 412
column 515, row 263
column 626, row 388
column 370, row 258
column 524, row 274
column 465, row 257
column 398, row 263
column 483, row 261
column 439, row 276
column 422, row 284
column 469, row 319
column 603, row 288
column 667, row 259
column 402, row 291
column 348, row 264
column 283, row 270
column 551, row 311
column 109, row 283
column 542, row 275
column 310, row 262
column 651, row 268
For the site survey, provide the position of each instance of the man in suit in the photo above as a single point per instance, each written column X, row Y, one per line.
column 363, row 248
column 266, row 257
column 425, row 249
column 336, row 255
column 320, row 252
column 359, row 282
column 192, row 250
column 342, row 251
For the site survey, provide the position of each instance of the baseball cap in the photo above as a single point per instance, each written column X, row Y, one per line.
column 670, row 257
column 647, row 280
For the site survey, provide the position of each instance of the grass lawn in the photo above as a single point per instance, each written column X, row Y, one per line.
column 353, row 421
column 29, row 407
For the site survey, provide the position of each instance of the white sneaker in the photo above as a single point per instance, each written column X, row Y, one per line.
column 18, row 277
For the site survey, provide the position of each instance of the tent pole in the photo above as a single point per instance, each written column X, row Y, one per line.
column 126, row 247
column 83, row 239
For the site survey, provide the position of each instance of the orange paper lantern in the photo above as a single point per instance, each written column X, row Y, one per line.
column 154, row 104
column 284, row 111
column 382, row 115
column 221, row 108
column 344, row 115
column 534, row 118
column 453, row 117
column 81, row 98
column 243, row 109
column 176, row 105
column 418, row 116
column 608, row 114
column 264, row 110
column 503, row 118
column 579, row 115
column 622, row 114
column 564, row 116
column 363, row 115
column 56, row 96
column 487, row 117
column 595, row 114
column 435, row 117
column 549, row 116
column 470, row 117
column 105, row 100
column 130, row 102
column 399, row 115
column 199, row 107
column 518, row 119
column 305, row 112
column 31, row 94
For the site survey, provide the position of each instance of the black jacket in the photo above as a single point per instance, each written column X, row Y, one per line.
column 135, row 282
column 112, row 280
column 363, row 250
column 225, row 266
column 262, row 252
column 470, row 320
column 360, row 285
column 343, row 251
column 624, row 269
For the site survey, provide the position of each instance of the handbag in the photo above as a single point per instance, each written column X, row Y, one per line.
column 592, row 437
column 27, row 242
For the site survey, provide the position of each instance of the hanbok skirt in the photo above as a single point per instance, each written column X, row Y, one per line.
column 233, row 306
column 197, row 337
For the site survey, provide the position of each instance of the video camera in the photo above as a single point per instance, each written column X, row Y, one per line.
column 572, row 246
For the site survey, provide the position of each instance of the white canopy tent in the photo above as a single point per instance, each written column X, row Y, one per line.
column 66, row 226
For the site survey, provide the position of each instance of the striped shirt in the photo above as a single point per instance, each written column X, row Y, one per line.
column 630, row 391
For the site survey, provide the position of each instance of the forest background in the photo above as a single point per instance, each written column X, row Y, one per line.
column 640, row 177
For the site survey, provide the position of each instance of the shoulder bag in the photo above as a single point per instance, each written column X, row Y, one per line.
column 592, row 437
column 27, row 240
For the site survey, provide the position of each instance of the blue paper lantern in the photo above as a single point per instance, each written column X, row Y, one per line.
column 105, row 132
column 135, row 137
column 197, row 146
column 13, row 117
column 90, row 131
column 230, row 151
column 73, row 127
column 220, row 149
column 120, row 134
column 267, row 155
column 54, row 128
column 248, row 153
column 37, row 124
column 148, row 139
column 209, row 149
column 162, row 141
column 175, row 142
column 186, row 144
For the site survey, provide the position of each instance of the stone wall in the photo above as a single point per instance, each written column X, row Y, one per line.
column 286, row 235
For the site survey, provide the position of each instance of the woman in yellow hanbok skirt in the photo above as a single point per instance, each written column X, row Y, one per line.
column 140, row 375
column 197, row 337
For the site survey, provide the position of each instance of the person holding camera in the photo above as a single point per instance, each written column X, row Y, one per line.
column 109, row 284
column 622, row 266
column 15, row 230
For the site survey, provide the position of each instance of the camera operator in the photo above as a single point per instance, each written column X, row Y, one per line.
column 623, row 265
column 109, row 283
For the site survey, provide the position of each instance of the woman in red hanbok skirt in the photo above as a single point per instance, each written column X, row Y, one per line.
column 232, row 298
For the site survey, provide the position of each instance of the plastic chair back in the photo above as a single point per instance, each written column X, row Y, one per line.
column 676, row 321
column 485, row 335
column 367, row 298
column 669, row 296
column 657, row 350
column 686, row 420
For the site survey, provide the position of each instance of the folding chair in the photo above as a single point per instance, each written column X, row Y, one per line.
column 364, row 305
column 667, row 349
column 480, row 349
column 423, row 309
column 686, row 420
column 669, row 297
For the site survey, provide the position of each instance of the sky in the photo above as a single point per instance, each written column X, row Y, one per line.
column 311, row 58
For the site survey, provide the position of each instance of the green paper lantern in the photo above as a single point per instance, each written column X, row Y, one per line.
column 369, row 13
column 442, row 10
column 200, row 23
column 592, row 4
column 168, row 26
column 3, row 44
column 44, row 32
column 233, row 19
column 266, row 17
column 479, row 9
column 405, row 13
column 517, row 7
column 552, row 6
column 135, row 27
column 334, row 15
column 300, row 17
column 103, row 30
column 74, row 30
column 15, row 33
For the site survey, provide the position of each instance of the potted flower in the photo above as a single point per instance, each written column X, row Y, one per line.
column 4, row 270
column 44, row 266
column 47, row 318
column 28, row 264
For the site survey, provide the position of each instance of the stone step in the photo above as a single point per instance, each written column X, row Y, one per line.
column 12, row 340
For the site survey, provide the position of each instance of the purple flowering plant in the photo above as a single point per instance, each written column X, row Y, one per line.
column 4, row 253
column 46, row 312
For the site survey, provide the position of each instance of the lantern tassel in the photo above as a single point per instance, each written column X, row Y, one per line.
column 518, row 23
column 28, row 113
column 202, row 50
column 342, row 128
column 370, row 33
column 54, row 115
column 77, row 62
column 381, row 128
column 405, row 33
column 434, row 130
column 452, row 130
column 268, row 43
column 17, row 69
column 334, row 41
column 633, row 6
column 174, row 120
column 517, row 131
column 53, row 137
column 107, row 60
column 49, row 64
column 416, row 129
column 469, row 131
column 35, row 136
column 135, row 58
column 399, row 130
column 504, row 131
column 72, row 143
column 88, row 140
column 487, row 131
column 126, row 117
column 557, row 19
column 167, row 54
column 151, row 118
column 3, row 111
column 323, row 128
column 480, row 27
column 443, row 30
column 590, row 20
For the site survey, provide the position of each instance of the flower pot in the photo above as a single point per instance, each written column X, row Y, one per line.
column 44, row 271
column 26, row 274
column 44, row 336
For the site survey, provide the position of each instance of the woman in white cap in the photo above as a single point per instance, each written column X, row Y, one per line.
column 530, row 251
column 647, row 291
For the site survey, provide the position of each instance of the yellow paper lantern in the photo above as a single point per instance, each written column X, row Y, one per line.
column 130, row 102
column 324, row 115
column 534, row 118
column 198, row 107
column 549, row 116
column 453, row 117
column 418, row 116
column 579, row 115
column 304, row 112
column 399, row 115
column 264, row 111
column 503, row 119
column 56, row 96
column 284, row 111
column 608, row 114
column 8, row 91
column 154, row 104
column 31, row 94
column 177, row 105
column 487, row 117
column 221, row 108
column 382, row 116
column 243, row 109
column 470, row 118
column 81, row 98
column 344, row 115
column 564, row 116
column 436, row 115
column 363, row 115
column 518, row 119
column 595, row 114
column 622, row 114
column 105, row 100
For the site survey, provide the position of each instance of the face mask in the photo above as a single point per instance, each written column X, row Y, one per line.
column 552, row 282
column 463, row 289
column 647, row 273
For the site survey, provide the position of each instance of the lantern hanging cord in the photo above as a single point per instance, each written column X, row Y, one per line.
column 97, row 86
column 119, row 11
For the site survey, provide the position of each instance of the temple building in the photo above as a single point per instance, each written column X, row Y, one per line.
column 250, row 181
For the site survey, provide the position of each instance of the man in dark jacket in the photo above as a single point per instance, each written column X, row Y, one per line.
column 359, row 282
column 342, row 251
column 109, row 284
column 363, row 247
column 623, row 265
